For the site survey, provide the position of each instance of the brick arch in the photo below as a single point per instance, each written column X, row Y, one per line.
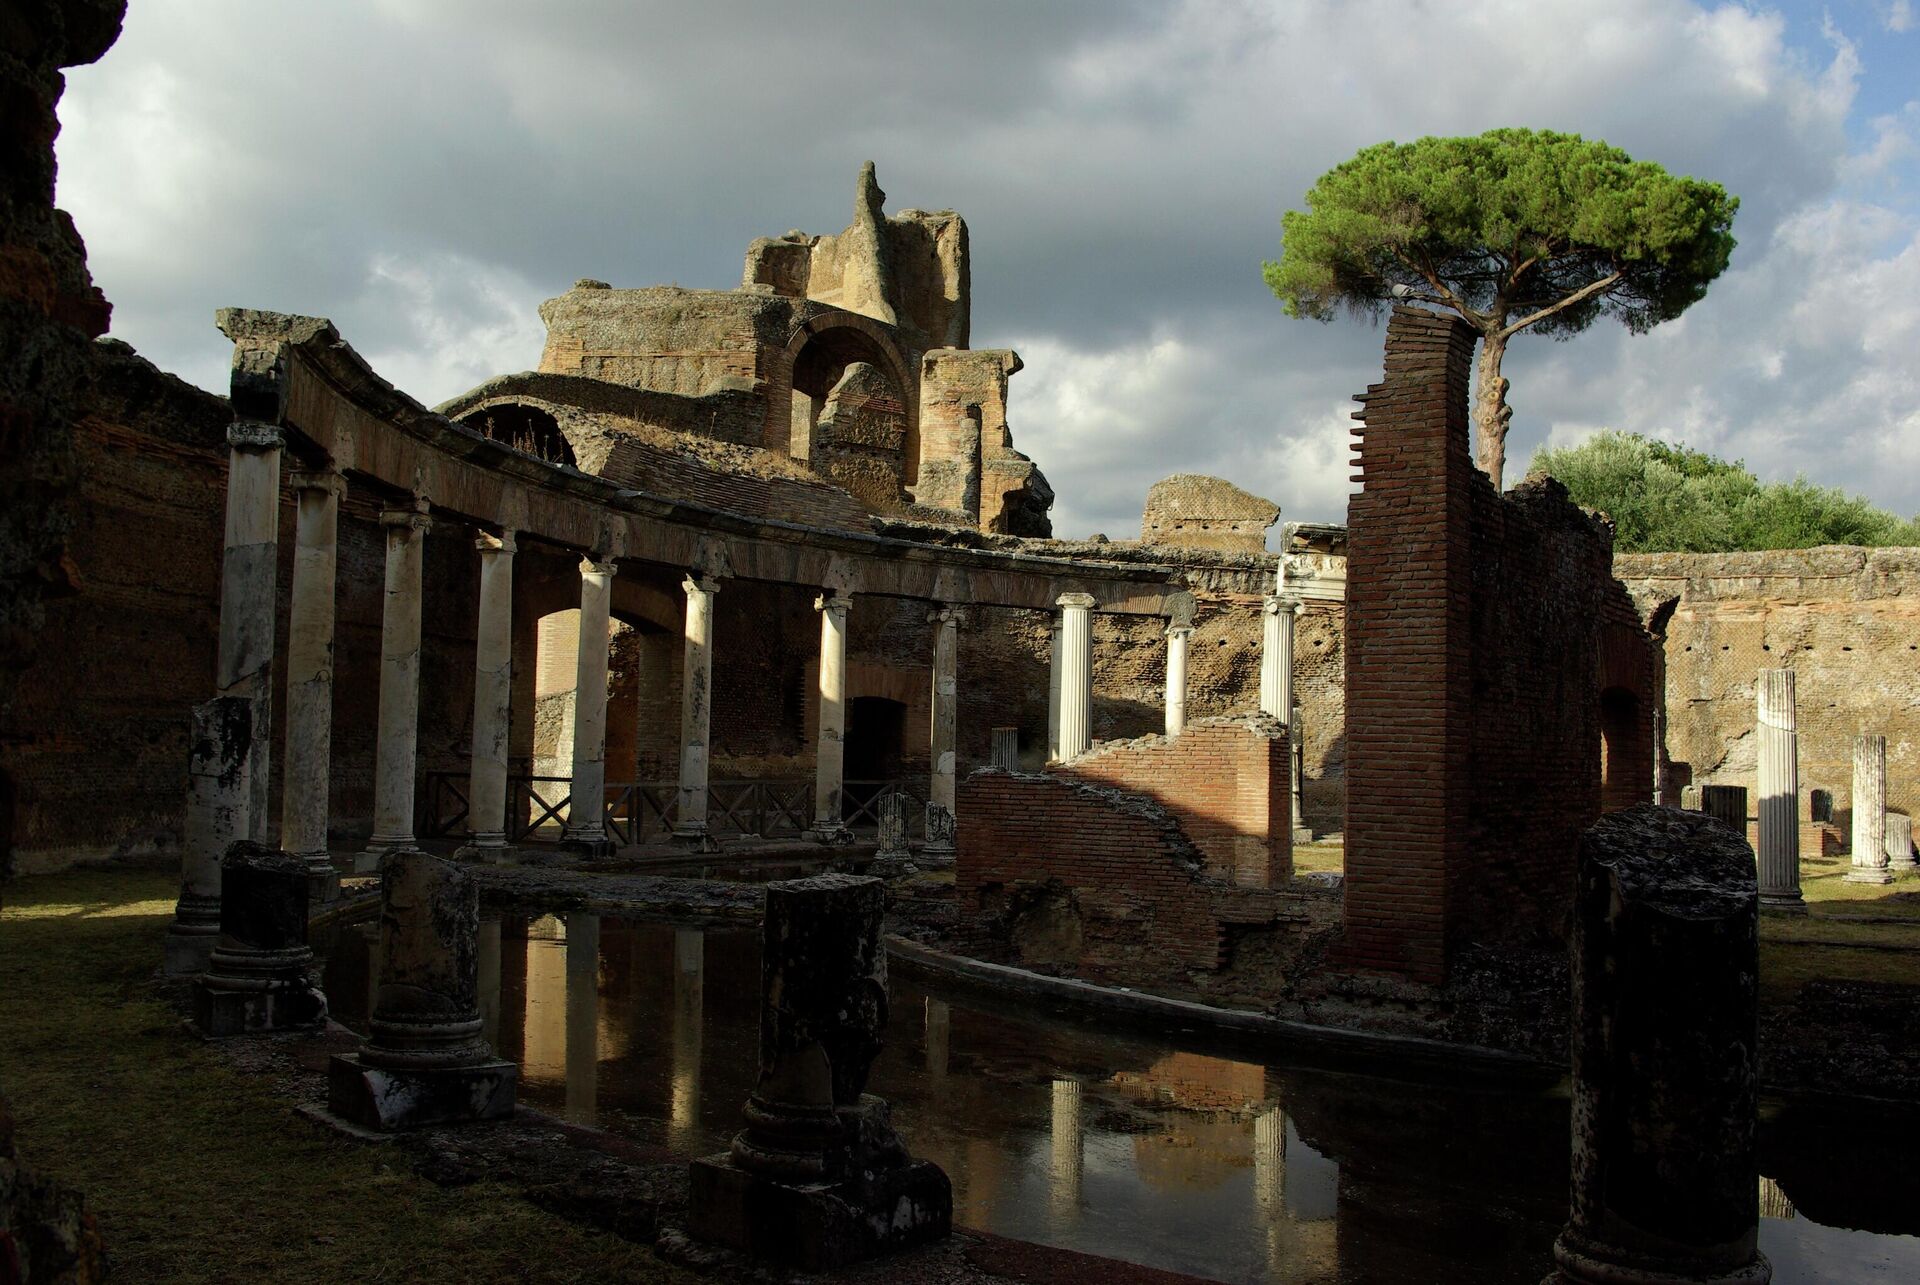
column 857, row 338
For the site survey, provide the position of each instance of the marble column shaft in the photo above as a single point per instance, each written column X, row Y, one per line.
column 946, row 705
column 1779, row 789
column 1053, row 692
column 395, row 755
column 586, row 812
column 308, row 754
column 1177, row 641
column 248, row 572
column 831, row 750
column 492, row 693
column 1276, row 655
column 1869, row 863
column 696, row 710
column 1076, row 674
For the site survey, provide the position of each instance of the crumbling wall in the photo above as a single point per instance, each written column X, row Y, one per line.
column 1191, row 510
column 1223, row 779
column 860, row 436
column 1103, row 883
column 1846, row 620
column 1473, row 666
column 969, row 469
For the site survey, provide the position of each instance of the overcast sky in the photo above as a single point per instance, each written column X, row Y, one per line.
column 425, row 172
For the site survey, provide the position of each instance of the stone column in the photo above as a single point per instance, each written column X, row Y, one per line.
column 586, row 813
column 893, row 858
column 1053, row 692
column 1665, row 1164
column 696, row 715
column 260, row 974
column 582, row 1101
column 689, row 1017
column 1076, row 674
column 248, row 574
column 1726, row 804
column 394, row 755
column 938, row 1023
column 219, row 770
column 308, row 754
column 1066, row 1148
column 424, row 1061
column 1779, row 774
column 1177, row 639
column 946, row 717
column 818, row 1178
column 1900, row 843
column 1276, row 655
column 1005, row 749
column 1869, row 811
column 492, row 695
column 830, row 756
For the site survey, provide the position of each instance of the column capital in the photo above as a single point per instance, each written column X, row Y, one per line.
column 318, row 479
column 836, row 602
column 255, row 435
column 589, row 566
column 699, row 582
column 1083, row 601
column 1276, row 603
column 487, row 542
column 1179, row 631
column 413, row 514
column 947, row 613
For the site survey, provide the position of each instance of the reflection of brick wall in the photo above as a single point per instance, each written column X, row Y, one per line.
column 1473, row 665
column 1224, row 780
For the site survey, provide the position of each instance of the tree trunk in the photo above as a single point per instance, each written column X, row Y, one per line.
column 1490, row 410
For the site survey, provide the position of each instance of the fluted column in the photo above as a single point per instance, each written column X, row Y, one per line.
column 946, row 705
column 248, row 571
column 1177, row 639
column 1053, row 692
column 1276, row 655
column 492, row 693
column 830, row 756
column 696, row 713
column 1066, row 1145
column 1779, row 773
column 586, row 812
column 1869, row 811
column 308, row 754
column 395, row 753
column 1076, row 673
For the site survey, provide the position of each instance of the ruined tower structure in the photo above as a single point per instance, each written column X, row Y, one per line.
column 841, row 358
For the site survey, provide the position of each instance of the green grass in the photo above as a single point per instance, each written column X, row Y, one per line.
column 197, row 1172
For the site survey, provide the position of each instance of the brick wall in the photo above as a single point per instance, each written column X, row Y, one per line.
column 1474, row 626
column 1224, row 781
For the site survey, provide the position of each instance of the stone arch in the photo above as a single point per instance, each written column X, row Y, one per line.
column 823, row 346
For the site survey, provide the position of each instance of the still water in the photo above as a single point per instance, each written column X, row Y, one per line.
column 1069, row 1136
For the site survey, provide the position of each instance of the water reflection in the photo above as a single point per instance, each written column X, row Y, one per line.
column 1117, row 1146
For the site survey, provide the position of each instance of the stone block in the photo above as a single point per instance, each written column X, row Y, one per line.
column 393, row 1098
column 260, row 974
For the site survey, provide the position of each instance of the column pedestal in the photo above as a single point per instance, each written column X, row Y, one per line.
column 260, row 976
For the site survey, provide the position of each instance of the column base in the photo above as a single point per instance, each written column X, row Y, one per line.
column 695, row 838
column 367, row 862
column 220, row 1010
column 588, row 843
column 486, row 854
column 323, row 881
column 1783, row 903
column 819, row 1225
column 1904, row 867
column 1588, row 1264
column 394, row 1098
column 187, row 949
column 1882, row 874
column 832, row 833
column 891, row 866
column 1301, row 834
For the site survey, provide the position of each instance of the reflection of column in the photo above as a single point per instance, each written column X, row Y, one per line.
column 939, row 1024
column 249, row 570
column 1270, row 1183
column 583, row 1017
column 586, row 813
column 1869, row 863
column 1076, row 674
column 946, row 714
column 395, row 755
column 1067, row 1152
column 696, row 713
column 689, row 1015
column 492, row 693
column 303, row 797
column 1177, row 636
column 1053, row 693
column 830, row 757
column 490, row 981
column 1779, row 773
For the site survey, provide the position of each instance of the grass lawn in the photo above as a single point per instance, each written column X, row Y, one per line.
column 197, row 1172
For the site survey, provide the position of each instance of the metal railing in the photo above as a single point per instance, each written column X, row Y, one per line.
column 637, row 812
